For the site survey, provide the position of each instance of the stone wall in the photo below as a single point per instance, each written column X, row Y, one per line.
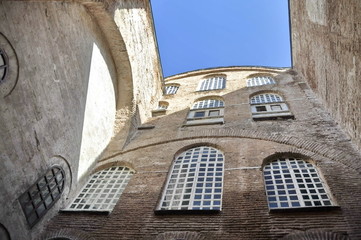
column 70, row 84
column 326, row 52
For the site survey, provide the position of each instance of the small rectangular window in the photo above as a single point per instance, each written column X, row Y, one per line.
column 261, row 108
column 213, row 113
column 276, row 107
column 199, row 114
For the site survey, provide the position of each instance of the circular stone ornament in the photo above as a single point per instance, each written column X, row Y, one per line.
column 9, row 67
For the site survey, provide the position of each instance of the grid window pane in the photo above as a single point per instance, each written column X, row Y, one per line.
column 103, row 187
column 259, row 81
column 266, row 98
column 171, row 89
column 42, row 195
column 212, row 84
column 203, row 190
column 294, row 184
column 208, row 103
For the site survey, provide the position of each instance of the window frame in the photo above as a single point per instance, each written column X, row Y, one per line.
column 95, row 182
column 260, row 81
column 212, row 83
column 171, row 89
column 35, row 198
column 267, row 101
column 206, row 105
column 202, row 187
column 285, row 184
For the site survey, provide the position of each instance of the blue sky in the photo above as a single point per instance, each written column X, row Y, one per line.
column 196, row 34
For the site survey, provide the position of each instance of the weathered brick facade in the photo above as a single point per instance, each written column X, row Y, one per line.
column 246, row 144
column 87, row 134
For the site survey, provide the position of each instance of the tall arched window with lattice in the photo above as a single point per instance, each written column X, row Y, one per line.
column 195, row 181
column 102, row 191
column 294, row 183
column 268, row 106
column 206, row 111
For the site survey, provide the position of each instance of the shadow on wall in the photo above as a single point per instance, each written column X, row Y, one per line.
column 99, row 113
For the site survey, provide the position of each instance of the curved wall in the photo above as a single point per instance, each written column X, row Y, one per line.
column 63, row 104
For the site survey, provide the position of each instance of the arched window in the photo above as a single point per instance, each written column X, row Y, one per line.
column 103, row 190
column 294, row 183
column 195, row 181
column 171, row 89
column 40, row 197
column 268, row 106
column 266, row 98
column 207, row 111
column 259, row 81
column 208, row 103
column 212, row 83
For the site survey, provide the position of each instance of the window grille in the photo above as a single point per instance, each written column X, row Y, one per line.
column 171, row 89
column 102, row 191
column 208, row 103
column 195, row 181
column 259, row 81
column 42, row 195
column 266, row 98
column 293, row 183
column 3, row 65
column 213, row 83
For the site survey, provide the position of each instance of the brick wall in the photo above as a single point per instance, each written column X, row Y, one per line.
column 246, row 144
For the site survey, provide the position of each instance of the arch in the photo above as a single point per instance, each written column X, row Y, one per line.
column 292, row 182
column 163, row 105
column 215, row 75
column 68, row 234
column 103, row 190
column 195, row 181
column 180, row 235
column 4, row 233
column 276, row 155
column 315, row 235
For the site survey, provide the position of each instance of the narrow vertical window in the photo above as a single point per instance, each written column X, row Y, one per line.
column 102, row 191
column 213, row 83
column 42, row 195
column 195, row 181
column 294, row 183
